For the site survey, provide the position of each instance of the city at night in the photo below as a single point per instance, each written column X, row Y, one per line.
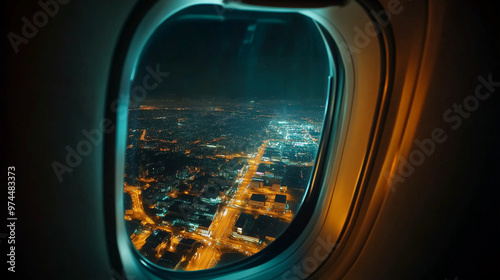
column 209, row 183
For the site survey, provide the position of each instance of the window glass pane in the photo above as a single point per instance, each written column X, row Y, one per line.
column 225, row 118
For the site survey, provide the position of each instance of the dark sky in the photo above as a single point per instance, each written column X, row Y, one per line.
column 243, row 55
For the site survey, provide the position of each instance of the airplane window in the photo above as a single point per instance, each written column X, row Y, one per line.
column 225, row 121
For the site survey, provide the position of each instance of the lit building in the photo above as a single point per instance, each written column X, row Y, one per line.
column 279, row 203
column 152, row 242
column 244, row 223
column 169, row 259
column 187, row 247
column 256, row 184
column 243, row 229
column 258, row 200
column 275, row 185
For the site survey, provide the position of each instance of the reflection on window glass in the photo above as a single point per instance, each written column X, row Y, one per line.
column 225, row 118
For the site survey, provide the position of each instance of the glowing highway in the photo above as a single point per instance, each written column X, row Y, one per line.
column 208, row 254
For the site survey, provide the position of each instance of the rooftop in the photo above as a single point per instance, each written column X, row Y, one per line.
column 280, row 198
column 258, row 197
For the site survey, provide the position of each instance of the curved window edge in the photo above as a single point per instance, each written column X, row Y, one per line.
column 113, row 146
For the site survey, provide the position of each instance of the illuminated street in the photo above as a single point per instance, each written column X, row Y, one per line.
column 207, row 255
column 195, row 230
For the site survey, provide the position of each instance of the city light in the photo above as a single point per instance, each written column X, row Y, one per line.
column 234, row 192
